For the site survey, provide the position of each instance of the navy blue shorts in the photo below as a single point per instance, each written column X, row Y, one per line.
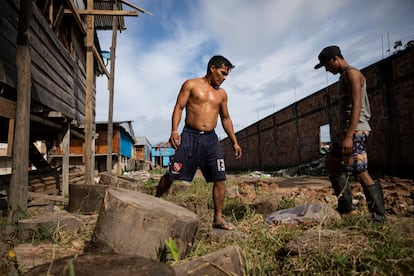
column 198, row 150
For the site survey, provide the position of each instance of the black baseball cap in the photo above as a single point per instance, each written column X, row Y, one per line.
column 326, row 54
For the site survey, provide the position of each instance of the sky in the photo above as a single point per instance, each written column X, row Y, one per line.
column 273, row 43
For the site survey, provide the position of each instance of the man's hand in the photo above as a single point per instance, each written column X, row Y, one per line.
column 237, row 151
column 347, row 145
column 175, row 139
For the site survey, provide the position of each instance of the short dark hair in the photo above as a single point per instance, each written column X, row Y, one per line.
column 219, row 61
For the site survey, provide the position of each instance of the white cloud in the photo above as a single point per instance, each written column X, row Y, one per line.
column 274, row 45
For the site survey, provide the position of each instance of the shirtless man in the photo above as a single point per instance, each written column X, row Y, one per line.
column 198, row 146
column 348, row 154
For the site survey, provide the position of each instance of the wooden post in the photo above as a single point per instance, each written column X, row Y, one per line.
column 10, row 138
column 19, row 180
column 65, row 160
column 88, row 150
column 111, row 94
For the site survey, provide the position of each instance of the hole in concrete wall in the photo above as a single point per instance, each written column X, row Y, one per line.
column 324, row 138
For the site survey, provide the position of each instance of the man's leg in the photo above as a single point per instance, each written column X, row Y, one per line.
column 163, row 185
column 219, row 190
column 340, row 184
column 342, row 190
column 374, row 195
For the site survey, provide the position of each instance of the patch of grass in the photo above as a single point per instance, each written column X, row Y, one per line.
column 157, row 171
column 43, row 235
column 286, row 202
column 390, row 252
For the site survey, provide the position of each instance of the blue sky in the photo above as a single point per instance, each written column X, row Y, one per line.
column 273, row 43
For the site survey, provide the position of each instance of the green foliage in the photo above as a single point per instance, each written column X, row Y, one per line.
column 286, row 202
column 42, row 235
column 71, row 267
column 172, row 247
column 169, row 248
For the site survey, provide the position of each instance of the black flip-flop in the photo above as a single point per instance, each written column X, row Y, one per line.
column 224, row 226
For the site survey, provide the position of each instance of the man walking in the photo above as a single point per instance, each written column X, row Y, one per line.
column 198, row 146
column 348, row 154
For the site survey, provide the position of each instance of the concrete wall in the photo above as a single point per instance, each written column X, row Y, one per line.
column 291, row 136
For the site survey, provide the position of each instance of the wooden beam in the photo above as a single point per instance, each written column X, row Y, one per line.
column 51, row 12
column 74, row 11
column 20, row 178
column 88, row 156
column 98, row 57
column 108, row 13
column 111, row 95
column 78, row 18
column 58, row 19
column 49, row 197
column 65, row 160
column 135, row 7
column 7, row 108
column 48, row 123
column 10, row 138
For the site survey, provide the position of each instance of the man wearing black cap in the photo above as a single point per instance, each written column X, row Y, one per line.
column 348, row 154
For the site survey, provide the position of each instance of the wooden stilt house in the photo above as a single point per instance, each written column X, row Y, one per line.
column 50, row 58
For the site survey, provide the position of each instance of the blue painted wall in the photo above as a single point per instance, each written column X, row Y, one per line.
column 126, row 145
column 164, row 153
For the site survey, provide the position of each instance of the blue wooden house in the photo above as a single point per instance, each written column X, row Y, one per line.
column 161, row 154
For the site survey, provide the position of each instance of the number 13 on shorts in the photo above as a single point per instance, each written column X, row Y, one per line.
column 220, row 165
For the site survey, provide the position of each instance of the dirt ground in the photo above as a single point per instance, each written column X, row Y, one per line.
column 398, row 194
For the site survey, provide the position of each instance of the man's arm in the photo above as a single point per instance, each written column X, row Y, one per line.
column 180, row 104
column 228, row 127
column 354, row 82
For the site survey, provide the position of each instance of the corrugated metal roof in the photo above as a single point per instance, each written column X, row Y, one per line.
column 142, row 141
column 105, row 22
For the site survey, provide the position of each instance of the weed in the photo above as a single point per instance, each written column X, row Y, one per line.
column 168, row 249
column 286, row 202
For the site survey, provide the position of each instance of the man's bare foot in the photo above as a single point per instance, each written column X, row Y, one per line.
column 224, row 225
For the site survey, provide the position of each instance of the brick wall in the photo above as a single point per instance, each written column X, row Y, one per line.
column 290, row 136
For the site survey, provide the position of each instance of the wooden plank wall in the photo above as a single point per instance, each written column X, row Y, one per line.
column 8, row 36
column 59, row 77
column 55, row 71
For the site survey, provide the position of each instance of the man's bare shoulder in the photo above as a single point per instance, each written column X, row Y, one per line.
column 354, row 74
column 191, row 83
column 194, row 80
